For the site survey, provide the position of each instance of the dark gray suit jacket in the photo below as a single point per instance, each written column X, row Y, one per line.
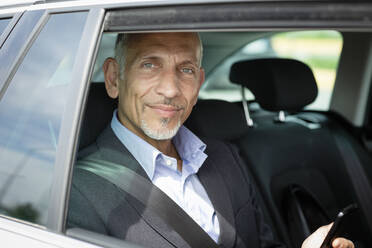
column 100, row 206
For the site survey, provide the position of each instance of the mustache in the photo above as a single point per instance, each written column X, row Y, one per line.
column 170, row 102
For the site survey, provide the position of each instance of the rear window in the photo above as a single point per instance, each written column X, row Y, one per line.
column 320, row 50
column 31, row 110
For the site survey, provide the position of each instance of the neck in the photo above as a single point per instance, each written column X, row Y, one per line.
column 166, row 147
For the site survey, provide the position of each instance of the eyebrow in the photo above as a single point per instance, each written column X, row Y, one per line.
column 154, row 57
column 195, row 63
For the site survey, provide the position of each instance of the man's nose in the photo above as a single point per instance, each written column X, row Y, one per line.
column 168, row 85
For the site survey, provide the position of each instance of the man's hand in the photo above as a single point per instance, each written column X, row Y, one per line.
column 316, row 239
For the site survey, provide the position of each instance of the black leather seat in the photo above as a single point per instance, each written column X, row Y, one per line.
column 98, row 114
column 295, row 162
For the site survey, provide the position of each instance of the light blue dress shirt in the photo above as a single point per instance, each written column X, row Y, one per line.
column 184, row 187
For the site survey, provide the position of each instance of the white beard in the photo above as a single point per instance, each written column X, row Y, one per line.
column 160, row 134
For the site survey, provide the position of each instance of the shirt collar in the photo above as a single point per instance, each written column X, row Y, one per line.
column 189, row 147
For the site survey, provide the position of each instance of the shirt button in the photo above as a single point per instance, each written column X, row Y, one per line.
column 168, row 162
column 193, row 155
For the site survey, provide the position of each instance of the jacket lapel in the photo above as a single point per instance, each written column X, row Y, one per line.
column 215, row 186
column 111, row 149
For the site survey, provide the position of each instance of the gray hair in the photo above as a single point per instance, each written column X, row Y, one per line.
column 121, row 48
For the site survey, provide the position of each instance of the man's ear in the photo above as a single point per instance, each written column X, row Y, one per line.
column 111, row 71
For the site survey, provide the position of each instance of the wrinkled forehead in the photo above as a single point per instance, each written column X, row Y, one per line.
column 183, row 43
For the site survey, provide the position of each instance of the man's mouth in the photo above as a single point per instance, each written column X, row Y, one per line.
column 166, row 111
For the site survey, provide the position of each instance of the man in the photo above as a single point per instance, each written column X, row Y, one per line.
column 156, row 78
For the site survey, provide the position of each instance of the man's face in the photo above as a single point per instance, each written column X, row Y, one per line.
column 161, row 83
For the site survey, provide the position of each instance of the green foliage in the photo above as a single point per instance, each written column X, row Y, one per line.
column 322, row 62
column 327, row 60
column 24, row 212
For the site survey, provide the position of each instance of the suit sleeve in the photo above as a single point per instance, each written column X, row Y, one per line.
column 266, row 236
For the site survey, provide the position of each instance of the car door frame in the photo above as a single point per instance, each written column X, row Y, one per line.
column 96, row 24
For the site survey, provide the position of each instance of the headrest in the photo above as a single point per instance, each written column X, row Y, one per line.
column 98, row 114
column 217, row 119
column 277, row 84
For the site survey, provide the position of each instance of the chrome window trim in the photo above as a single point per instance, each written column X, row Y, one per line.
column 71, row 122
column 20, row 221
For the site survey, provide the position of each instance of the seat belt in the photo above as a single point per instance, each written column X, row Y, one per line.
column 137, row 186
column 357, row 175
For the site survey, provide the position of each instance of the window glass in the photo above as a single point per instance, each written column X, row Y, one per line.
column 30, row 116
column 318, row 49
column 15, row 43
column 3, row 24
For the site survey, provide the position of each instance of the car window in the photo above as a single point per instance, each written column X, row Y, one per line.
column 31, row 112
column 3, row 24
column 318, row 49
column 14, row 44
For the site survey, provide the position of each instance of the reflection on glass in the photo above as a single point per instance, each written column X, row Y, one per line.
column 30, row 116
column 15, row 41
column 3, row 24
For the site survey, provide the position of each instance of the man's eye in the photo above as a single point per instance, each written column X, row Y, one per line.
column 148, row 65
column 188, row 70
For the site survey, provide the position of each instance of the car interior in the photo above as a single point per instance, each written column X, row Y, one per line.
column 294, row 154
